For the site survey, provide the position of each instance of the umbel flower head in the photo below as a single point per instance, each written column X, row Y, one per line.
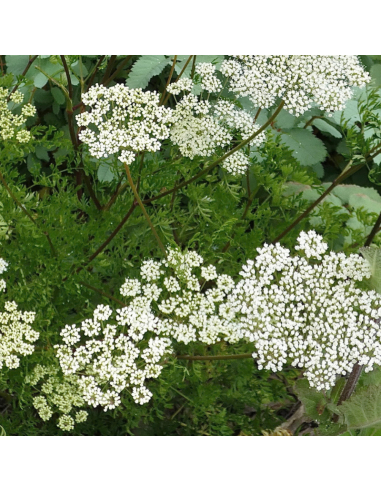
column 204, row 128
column 300, row 80
column 16, row 334
column 58, row 395
column 122, row 351
column 305, row 310
column 308, row 311
column 123, row 122
column 12, row 126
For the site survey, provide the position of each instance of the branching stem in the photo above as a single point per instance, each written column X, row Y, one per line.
column 218, row 161
column 141, row 205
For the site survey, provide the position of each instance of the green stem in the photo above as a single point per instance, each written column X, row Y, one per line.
column 193, row 66
column 196, row 358
column 137, row 197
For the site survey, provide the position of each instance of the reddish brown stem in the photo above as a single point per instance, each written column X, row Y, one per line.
column 118, row 70
column 30, row 62
column 95, row 71
column 67, row 72
column 169, row 80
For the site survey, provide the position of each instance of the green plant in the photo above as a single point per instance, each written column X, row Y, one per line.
column 74, row 224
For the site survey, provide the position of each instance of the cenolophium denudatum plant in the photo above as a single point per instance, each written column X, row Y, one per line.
column 308, row 311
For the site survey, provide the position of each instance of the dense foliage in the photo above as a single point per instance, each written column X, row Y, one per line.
column 114, row 167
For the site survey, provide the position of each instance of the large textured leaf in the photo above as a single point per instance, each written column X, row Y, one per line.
column 145, row 68
column 16, row 64
column 364, row 409
column 314, row 402
column 326, row 127
column 373, row 257
column 345, row 192
column 307, row 149
column 105, row 174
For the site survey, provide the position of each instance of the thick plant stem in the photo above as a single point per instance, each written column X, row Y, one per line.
column 169, row 80
column 25, row 211
column 220, row 160
column 112, row 200
column 348, row 171
column 118, row 70
column 95, row 71
column 351, row 384
column 197, row 358
column 374, row 232
column 193, row 66
column 137, row 197
column 109, row 68
column 68, row 77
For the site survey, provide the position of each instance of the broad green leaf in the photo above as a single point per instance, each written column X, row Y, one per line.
column 373, row 257
column 105, row 174
column 33, row 164
column 145, row 68
column 315, row 403
column 363, row 410
column 344, row 192
column 40, row 80
column 285, row 120
column 350, row 114
column 58, row 95
column 307, row 149
column 42, row 153
column 326, row 127
column 376, row 74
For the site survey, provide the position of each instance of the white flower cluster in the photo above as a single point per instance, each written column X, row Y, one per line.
column 115, row 352
column 61, row 396
column 126, row 121
column 307, row 310
column 300, row 80
column 16, row 334
column 201, row 128
column 304, row 310
column 12, row 125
